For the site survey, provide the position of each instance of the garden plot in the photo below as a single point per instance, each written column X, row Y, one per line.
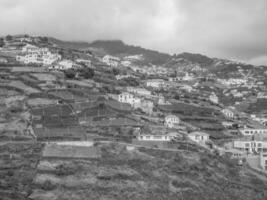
column 7, row 92
column 28, row 69
column 21, row 86
column 44, row 77
column 68, row 151
column 41, row 102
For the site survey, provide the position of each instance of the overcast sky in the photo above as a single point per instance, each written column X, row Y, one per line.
column 235, row 29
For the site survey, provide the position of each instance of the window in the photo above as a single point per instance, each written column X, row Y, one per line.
column 247, row 145
column 147, row 137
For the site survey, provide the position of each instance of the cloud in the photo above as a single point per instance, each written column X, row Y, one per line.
column 223, row 28
column 261, row 60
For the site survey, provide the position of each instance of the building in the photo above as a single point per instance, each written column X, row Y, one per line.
column 145, row 105
column 213, row 98
column 127, row 97
column 111, row 60
column 66, row 64
column 163, row 101
column 33, row 54
column 263, row 161
column 253, row 131
column 171, row 121
column 28, row 48
column 84, row 61
column 250, row 146
column 158, row 137
column 3, row 60
column 188, row 77
column 199, row 137
column 228, row 113
column 155, row 83
column 139, row 91
column 262, row 95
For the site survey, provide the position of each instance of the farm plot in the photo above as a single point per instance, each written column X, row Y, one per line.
column 68, row 151
column 144, row 174
column 28, row 69
column 60, row 133
column 21, row 86
column 41, row 102
column 44, row 77
column 17, row 169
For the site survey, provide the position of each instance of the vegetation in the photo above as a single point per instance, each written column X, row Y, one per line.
column 115, row 47
column 70, row 73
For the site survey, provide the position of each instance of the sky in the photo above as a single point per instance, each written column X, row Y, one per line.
column 232, row 29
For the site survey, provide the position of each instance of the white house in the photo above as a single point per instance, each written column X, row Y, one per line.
column 33, row 54
column 188, row 77
column 171, row 121
column 163, row 101
column 213, row 98
column 253, row 131
column 156, row 137
column 140, row 91
column 199, row 137
column 28, row 48
column 250, row 145
column 126, row 97
column 228, row 113
column 66, row 64
column 111, row 60
column 85, row 61
column 145, row 105
column 155, row 83
column 262, row 95
column 3, row 60
column 263, row 161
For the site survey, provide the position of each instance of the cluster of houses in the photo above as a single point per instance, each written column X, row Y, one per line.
column 111, row 61
column 33, row 54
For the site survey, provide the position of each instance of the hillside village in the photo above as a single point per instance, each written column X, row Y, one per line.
column 105, row 97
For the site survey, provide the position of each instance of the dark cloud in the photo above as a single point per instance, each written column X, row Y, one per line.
column 223, row 28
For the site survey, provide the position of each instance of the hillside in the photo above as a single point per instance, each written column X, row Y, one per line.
column 114, row 47
column 110, row 171
column 117, row 47
column 69, row 44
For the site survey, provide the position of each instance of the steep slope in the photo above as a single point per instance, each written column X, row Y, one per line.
column 117, row 47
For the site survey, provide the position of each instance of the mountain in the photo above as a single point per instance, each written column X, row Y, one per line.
column 68, row 44
column 117, row 47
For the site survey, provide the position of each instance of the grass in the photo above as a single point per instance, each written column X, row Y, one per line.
column 148, row 174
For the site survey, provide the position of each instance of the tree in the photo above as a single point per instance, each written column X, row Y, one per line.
column 70, row 73
column 9, row 37
column 115, row 71
column 1, row 42
column 87, row 73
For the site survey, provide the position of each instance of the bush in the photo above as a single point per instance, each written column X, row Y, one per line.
column 64, row 170
column 9, row 37
column 1, row 42
column 87, row 73
column 115, row 71
column 70, row 73
column 48, row 185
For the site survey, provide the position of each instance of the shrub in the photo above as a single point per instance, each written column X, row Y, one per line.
column 115, row 71
column 70, row 73
column 87, row 73
column 64, row 170
column 47, row 185
column 9, row 37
